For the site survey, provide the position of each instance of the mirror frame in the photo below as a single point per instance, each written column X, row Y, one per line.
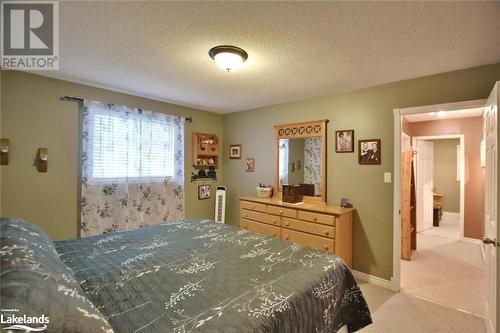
column 316, row 128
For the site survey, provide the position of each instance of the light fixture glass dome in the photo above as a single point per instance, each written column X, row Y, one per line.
column 228, row 57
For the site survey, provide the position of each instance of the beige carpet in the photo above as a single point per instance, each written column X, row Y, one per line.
column 449, row 226
column 447, row 272
column 403, row 313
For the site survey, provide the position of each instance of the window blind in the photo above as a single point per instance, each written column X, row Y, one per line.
column 130, row 146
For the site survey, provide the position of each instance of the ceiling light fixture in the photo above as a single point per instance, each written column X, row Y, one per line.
column 441, row 114
column 432, row 113
column 228, row 57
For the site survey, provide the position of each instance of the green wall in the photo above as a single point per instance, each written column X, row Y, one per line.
column 445, row 173
column 370, row 113
column 32, row 116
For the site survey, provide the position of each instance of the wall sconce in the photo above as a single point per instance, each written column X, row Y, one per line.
column 4, row 151
column 42, row 157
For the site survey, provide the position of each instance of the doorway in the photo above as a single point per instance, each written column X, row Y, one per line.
column 439, row 165
column 445, row 268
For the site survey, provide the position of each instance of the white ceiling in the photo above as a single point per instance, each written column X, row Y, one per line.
column 296, row 50
column 413, row 118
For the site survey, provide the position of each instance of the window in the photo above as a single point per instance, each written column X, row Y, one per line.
column 125, row 145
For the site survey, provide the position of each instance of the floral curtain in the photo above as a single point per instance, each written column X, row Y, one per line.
column 132, row 168
column 283, row 162
column 312, row 163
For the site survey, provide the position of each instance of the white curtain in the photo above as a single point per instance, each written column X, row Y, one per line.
column 132, row 168
column 283, row 161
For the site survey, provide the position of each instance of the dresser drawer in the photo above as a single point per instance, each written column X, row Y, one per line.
column 320, row 243
column 260, row 228
column 312, row 228
column 260, row 217
column 315, row 217
column 252, row 215
column 288, row 212
column 253, row 206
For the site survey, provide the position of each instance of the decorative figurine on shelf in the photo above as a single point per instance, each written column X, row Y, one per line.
column 202, row 174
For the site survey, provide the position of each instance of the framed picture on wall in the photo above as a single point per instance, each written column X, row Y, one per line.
column 250, row 164
column 204, row 192
column 370, row 152
column 235, row 152
column 344, row 141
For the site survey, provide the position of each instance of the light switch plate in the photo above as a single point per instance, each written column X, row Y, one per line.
column 387, row 177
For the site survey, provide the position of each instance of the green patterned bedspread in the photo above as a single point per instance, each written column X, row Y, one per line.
column 202, row 276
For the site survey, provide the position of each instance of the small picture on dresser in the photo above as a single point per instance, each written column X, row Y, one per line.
column 344, row 141
column 203, row 192
column 250, row 164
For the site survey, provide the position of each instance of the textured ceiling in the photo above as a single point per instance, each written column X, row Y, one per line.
column 296, row 50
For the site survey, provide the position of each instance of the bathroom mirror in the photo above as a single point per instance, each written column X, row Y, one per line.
column 301, row 158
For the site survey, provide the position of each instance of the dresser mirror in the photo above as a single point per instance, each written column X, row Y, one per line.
column 301, row 159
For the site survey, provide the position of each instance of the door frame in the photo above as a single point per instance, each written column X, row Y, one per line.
column 398, row 119
column 461, row 162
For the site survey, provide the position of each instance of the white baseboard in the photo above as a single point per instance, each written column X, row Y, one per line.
column 372, row 279
column 451, row 213
column 472, row 240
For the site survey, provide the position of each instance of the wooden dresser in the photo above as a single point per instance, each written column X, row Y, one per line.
column 327, row 228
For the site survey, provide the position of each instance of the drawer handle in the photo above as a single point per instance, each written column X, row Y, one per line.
column 286, row 237
column 286, row 224
column 245, row 226
column 253, row 206
column 245, row 214
column 315, row 219
column 326, row 247
column 274, row 221
column 281, row 212
column 326, row 233
column 274, row 235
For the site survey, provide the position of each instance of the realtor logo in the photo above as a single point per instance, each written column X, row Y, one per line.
column 30, row 35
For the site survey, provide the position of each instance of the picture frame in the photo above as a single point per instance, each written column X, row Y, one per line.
column 204, row 192
column 370, row 152
column 250, row 164
column 235, row 152
column 344, row 141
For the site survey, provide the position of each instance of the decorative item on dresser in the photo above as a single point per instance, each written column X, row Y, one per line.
column 205, row 150
column 324, row 227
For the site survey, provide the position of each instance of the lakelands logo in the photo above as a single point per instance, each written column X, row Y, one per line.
column 30, row 35
column 23, row 323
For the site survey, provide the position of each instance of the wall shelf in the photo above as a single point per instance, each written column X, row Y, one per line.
column 205, row 150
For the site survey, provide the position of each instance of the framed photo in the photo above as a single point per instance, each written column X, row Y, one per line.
column 203, row 192
column 370, row 151
column 344, row 141
column 250, row 164
column 235, row 152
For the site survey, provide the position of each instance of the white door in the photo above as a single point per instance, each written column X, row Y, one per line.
column 424, row 180
column 491, row 237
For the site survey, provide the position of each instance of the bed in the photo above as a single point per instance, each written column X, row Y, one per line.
column 186, row 276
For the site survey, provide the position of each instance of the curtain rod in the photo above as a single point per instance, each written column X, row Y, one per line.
column 80, row 100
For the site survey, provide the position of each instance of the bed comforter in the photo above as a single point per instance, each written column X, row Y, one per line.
column 202, row 276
